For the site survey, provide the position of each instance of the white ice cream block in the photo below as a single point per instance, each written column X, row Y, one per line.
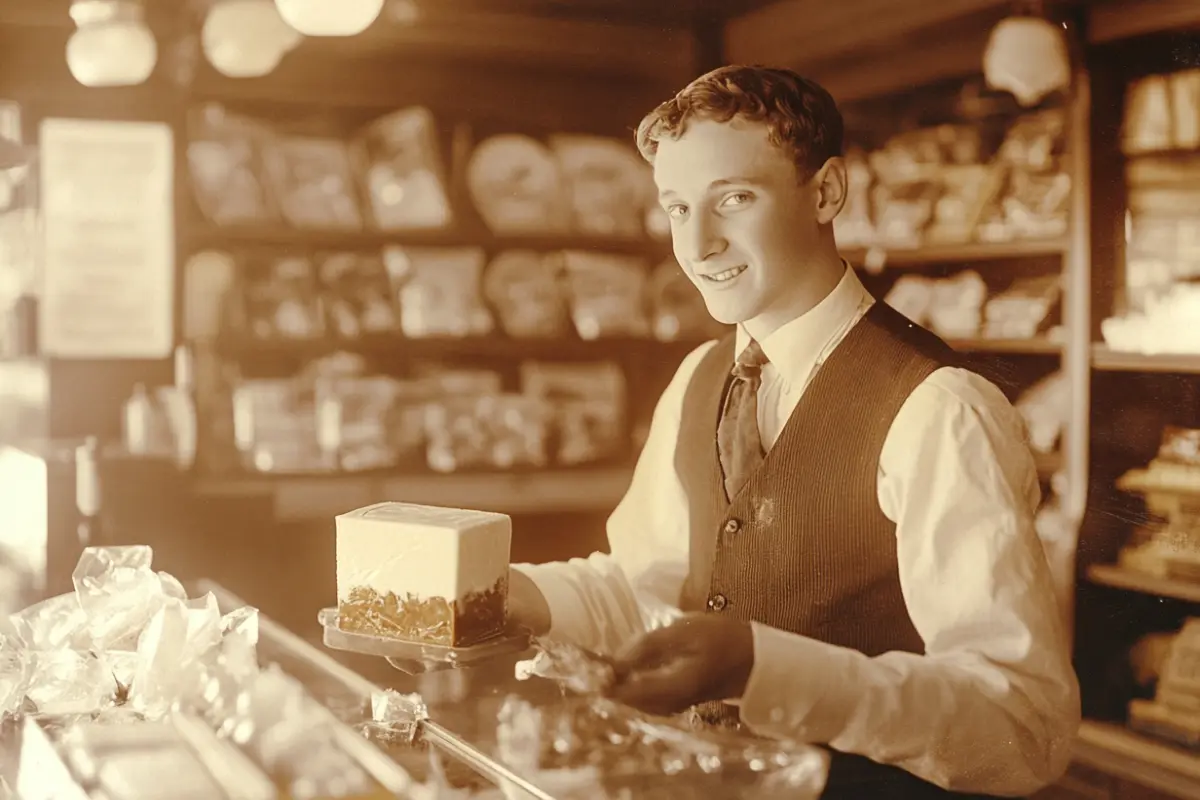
column 423, row 573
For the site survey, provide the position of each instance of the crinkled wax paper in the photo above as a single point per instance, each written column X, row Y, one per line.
column 128, row 641
column 605, row 744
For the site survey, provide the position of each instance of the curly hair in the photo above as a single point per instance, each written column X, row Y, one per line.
column 801, row 117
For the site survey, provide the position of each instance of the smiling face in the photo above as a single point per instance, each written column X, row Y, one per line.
column 750, row 231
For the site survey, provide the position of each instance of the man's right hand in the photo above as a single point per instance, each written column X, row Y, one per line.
column 527, row 606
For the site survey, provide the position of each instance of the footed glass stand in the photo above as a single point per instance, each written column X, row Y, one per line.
column 414, row 658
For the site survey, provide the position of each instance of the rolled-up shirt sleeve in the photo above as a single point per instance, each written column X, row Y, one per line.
column 993, row 704
column 601, row 602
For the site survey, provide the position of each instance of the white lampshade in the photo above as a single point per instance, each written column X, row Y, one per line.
column 330, row 17
column 112, row 45
column 246, row 38
column 1028, row 57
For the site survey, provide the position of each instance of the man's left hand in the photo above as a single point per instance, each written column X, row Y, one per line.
column 698, row 658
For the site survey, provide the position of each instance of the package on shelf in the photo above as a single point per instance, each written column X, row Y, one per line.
column 440, row 290
column 313, row 182
column 608, row 294
column 605, row 183
column 1168, row 545
column 404, row 173
column 1045, row 407
column 586, row 403
column 517, row 187
column 279, row 299
column 275, row 426
column 912, row 296
column 357, row 293
column 495, row 431
column 374, row 421
column 956, row 306
column 1163, row 234
column 966, row 191
column 223, row 156
column 903, row 211
column 1162, row 112
column 1022, row 310
column 1034, row 200
column 910, row 187
column 527, row 290
column 1174, row 713
column 1165, row 324
column 677, row 308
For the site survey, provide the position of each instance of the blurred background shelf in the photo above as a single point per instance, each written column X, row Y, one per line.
column 1116, row 750
column 1105, row 359
column 963, row 254
column 208, row 236
column 1121, row 578
column 321, row 497
column 1036, row 346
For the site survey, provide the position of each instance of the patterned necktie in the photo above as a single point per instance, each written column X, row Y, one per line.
column 739, row 444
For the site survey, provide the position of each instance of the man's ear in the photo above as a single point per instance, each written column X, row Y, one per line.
column 830, row 184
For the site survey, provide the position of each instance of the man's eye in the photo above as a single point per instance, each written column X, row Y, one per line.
column 676, row 211
column 736, row 199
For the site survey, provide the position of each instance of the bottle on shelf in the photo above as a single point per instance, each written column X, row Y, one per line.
column 88, row 500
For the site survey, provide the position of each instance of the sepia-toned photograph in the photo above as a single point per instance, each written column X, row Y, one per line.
column 599, row 399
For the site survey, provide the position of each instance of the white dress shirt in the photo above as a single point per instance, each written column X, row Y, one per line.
column 992, row 706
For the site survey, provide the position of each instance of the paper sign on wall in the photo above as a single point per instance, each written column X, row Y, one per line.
column 109, row 236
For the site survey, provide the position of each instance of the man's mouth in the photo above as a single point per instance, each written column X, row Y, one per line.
column 726, row 275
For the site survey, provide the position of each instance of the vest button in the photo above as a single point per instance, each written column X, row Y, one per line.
column 732, row 526
column 717, row 602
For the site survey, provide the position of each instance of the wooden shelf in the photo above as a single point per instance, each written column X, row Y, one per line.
column 1011, row 346
column 1118, row 751
column 1129, row 580
column 208, row 236
column 302, row 498
column 1105, row 359
column 966, row 253
column 476, row 347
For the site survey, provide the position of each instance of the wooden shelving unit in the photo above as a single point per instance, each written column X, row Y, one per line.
column 1120, row 578
column 1118, row 751
column 303, row 498
column 1040, row 346
column 963, row 253
column 204, row 235
column 1105, row 359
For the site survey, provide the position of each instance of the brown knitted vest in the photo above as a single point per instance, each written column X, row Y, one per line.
column 804, row 547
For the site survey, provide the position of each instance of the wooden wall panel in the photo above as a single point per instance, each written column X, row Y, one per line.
column 798, row 33
column 1110, row 21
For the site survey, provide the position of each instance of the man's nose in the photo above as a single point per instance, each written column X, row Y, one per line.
column 700, row 240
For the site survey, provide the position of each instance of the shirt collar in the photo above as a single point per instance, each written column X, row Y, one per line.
column 795, row 345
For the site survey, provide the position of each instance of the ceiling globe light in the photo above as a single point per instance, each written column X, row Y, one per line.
column 246, row 38
column 1028, row 57
column 330, row 17
column 112, row 45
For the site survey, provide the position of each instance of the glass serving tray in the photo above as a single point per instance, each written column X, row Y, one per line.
column 415, row 658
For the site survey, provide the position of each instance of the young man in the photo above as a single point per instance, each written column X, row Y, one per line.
column 842, row 509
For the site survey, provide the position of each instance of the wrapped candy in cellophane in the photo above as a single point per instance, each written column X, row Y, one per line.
column 128, row 646
column 589, row 746
column 127, row 641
